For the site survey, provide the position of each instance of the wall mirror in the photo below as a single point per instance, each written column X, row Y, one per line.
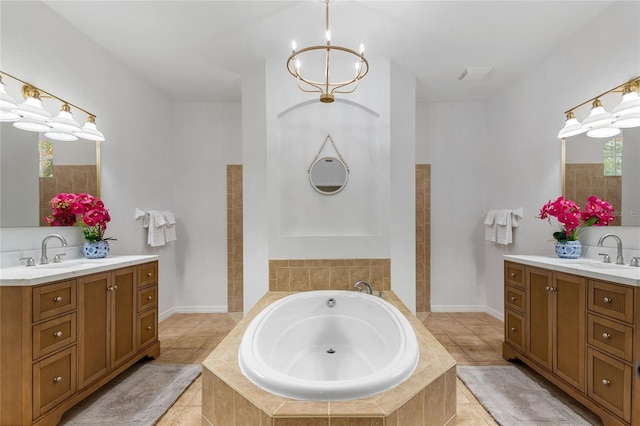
column 605, row 167
column 328, row 175
column 33, row 169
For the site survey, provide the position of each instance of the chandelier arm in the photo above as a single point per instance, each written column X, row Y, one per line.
column 318, row 89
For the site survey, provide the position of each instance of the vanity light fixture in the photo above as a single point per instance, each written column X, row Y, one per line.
column 7, row 105
column 600, row 123
column 32, row 116
column 327, row 87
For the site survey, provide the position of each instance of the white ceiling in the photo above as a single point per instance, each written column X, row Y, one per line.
column 197, row 50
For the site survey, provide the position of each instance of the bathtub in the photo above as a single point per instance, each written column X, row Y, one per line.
column 328, row 345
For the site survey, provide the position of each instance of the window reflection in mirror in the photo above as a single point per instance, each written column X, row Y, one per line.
column 328, row 175
column 34, row 169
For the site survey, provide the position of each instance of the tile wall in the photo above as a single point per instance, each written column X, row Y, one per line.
column 234, row 237
column 76, row 179
column 586, row 179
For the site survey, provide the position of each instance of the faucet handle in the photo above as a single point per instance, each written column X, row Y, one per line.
column 30, row 261
column 635, row 261
column 57, row 258
column 607, row 258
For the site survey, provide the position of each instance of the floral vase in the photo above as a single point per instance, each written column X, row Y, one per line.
column 95, row 249
column 568, row 249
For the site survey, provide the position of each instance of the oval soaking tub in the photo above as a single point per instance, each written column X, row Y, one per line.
column 328, row 345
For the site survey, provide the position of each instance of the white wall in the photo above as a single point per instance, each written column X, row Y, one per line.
column 39, row 47
column 452, row 137
column 206, row 137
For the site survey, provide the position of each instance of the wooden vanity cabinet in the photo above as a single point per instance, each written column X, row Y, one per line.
column 582, row 335
column 61, row 341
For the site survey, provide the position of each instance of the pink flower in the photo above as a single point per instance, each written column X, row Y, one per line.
column 66, row 208
column 597, row 212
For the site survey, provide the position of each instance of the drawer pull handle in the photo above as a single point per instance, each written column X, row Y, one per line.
column 513, row 298
column 607, row 299
column 606, row 335
column 149, row 298
column 149, row 274
column 514, row 329
column 57, row 379
column 513, row 275
column 57, row 299
column 605, row 382
column 550, row 288
column 148, row 328
column 57, row 334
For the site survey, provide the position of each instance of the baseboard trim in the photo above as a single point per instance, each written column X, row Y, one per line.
column 192, row 310
column 468, row 308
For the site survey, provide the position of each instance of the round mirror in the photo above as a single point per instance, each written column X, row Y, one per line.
column 328, row 175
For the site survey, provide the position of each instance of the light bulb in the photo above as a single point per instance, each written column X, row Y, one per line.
column 361, row 49
column 294, row 45
column 328, row 36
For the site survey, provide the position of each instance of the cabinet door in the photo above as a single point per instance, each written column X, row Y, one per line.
column 538, row 332
column 123, row 315
column 570, row 328
column 93, row 327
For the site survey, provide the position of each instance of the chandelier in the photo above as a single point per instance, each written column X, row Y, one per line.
column 346, row 82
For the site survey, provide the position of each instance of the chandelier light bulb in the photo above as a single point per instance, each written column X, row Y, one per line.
column 361, row 49
column 328, row 36
column 294, row 46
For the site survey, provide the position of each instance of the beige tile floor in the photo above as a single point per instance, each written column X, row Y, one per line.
column 471, row 338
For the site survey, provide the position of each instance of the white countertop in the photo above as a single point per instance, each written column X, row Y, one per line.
column 622, row 274
column 39, row 274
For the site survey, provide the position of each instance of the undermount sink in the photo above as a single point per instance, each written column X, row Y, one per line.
column 597, row 265
column 69, row 264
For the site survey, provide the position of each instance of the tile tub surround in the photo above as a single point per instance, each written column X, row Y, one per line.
column 427, row 397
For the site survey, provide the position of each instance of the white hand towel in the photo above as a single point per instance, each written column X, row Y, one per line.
column 490, row 228
column 138, row 214
column 503, row 219
column 156, row 235
column 170, row 227
column 516, row 215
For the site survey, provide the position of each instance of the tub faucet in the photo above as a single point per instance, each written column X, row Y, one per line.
column 44, row 260
column 366, row 284
column 619, row 258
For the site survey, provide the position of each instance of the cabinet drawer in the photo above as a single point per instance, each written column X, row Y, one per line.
column 147, row 274
column 614, row 301
column 54, row 379
column 514, row 274
column 611, row 337
column 147, row 298
column 54, row 334
column 53, row 299
column 147, row 327
column 609, row 383
column 514, row 298
column 514, row 329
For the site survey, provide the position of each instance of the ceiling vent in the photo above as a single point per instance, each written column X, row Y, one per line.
column 474, row 73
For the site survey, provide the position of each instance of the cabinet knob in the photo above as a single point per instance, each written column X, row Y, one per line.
column 57, row 299
column 148, row 328
column 513, row 298
column 149, row 298
column 149, row 274
column 57, row 334
column 606, row 335
column 513, row 275
column 607, row 299
column 514, row 329
column 551, row 288
column 57, row 379
column 605, row 382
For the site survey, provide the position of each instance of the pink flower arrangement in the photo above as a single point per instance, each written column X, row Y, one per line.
column 68, row 207
column 596, row 212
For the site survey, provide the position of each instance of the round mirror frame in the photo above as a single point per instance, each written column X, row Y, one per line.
column 319, row 188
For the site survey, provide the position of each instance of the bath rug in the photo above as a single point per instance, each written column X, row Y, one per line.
column 517, row 396
column 139, row 396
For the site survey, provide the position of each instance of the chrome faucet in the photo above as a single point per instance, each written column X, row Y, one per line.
column 44, row 260
column 366, row 284
column 619, row 258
